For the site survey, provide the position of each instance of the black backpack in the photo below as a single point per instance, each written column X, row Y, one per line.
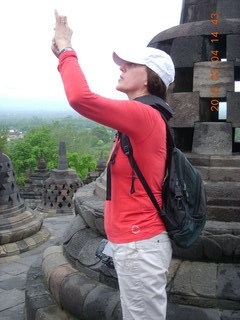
column 183, row 193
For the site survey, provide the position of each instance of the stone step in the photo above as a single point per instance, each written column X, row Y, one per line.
column 222, row 189
column 219, row 173
column 223, row 213
column 232, row 161
column 223, row 202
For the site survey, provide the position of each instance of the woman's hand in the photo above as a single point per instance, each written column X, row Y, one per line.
column 63, row 34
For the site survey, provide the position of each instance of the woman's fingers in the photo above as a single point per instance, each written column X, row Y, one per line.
column 60, row 19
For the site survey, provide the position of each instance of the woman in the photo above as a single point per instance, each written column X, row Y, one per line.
column 141, row 247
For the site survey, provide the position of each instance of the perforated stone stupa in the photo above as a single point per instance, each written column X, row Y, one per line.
column 20, row 228
column 60, row 187
column 32, row 190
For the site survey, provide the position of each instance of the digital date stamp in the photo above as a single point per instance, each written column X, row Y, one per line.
column 214, row 71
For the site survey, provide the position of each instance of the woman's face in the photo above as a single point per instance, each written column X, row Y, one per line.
column 133, row 80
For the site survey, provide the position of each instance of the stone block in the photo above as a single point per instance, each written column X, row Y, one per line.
column 56, row 279
column 183, row 312
column 51, row 262
column 186, row 51
column 212, row 250
column 224, row 174
column 233, row 48
column 185, row 106
column 104, row 300
column 228, row 282
column 87, row 254
column 230, row 315
column 228, row 8
column 212, row 138
column 32, row 305
column 233, row 108
column 208, row 75
column 195, row 252
column 204, row 279
column 73, row 292
column 197, row 10
column 229, row 243
column 182, row 281
column 51, row 313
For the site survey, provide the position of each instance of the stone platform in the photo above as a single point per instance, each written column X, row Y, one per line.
column 79, row 286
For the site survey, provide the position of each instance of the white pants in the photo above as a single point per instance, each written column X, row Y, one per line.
column 142, row 275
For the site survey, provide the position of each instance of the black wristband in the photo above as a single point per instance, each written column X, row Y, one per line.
column 65, row 49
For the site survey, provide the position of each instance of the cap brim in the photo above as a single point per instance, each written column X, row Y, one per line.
column 133, row 57
column 119, row 61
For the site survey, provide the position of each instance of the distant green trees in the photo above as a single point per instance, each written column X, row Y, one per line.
column 26, row 152
column 84, row 147
column 3, row 139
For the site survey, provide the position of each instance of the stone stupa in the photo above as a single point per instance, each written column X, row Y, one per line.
column 32, row 190
column 20, row 228
column 59, row 189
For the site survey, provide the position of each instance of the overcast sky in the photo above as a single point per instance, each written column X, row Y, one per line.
column 28, row 69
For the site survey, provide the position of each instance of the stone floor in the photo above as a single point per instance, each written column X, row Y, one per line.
column 13, row 270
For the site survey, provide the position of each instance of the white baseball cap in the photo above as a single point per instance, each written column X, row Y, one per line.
column 155, row 59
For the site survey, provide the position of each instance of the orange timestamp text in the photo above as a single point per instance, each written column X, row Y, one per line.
column 214, row 71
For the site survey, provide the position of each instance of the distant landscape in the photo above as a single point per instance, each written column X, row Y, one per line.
column 28, row 133
column 25, row 136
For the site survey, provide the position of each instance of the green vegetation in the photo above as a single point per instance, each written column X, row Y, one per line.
column 3, row 139
column 237, row 135
column 85, row 141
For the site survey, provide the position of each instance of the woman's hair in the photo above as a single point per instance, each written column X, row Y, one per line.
column 155, row 85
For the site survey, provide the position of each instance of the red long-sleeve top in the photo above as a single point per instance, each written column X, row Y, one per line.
column 127, row 217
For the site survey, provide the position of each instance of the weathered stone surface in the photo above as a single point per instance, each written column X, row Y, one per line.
column 228, row 8
column 212, row 249
column 59, row 189
column 228, row 282
column 51, row 262
column 73, row 293
column 207, row 75
column 50, row 313
column 233, row 48
column 183, row 312
column 100, row 303
column 197, row 10
column 204, row 279
column 224, row 174
column 185, row 106
column 212, row 138
column 230, row 315
column 198, row 28
column 78, row 240
column 182, row 280
column 87, row 252
column 41, row 301
column 174, row 265
column 62, row 156
column 77, row 224
column 182, row 56
column 233, row 108
column 17, row 221
column 56, row 279
column 195, row 252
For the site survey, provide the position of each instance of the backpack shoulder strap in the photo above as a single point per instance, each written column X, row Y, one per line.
column 128, row 151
